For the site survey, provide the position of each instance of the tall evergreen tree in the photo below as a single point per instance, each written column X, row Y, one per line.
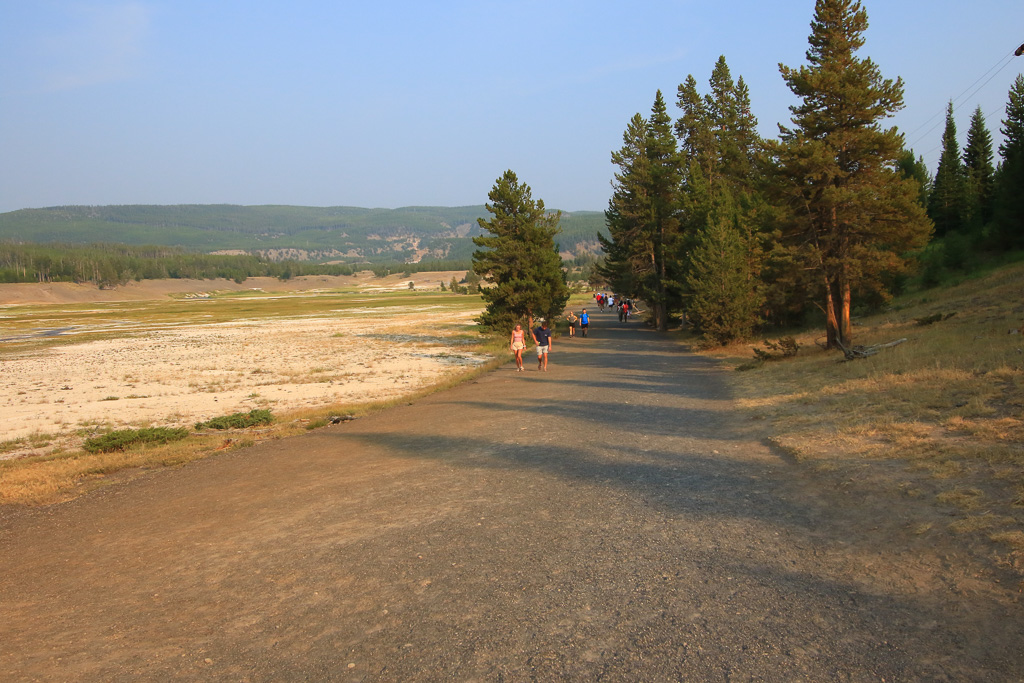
column 979, row 174
column 643, row 214
column 695, row 129
column 721, row 148
column 719, row 131
column 853, row 215
column 662, row 294
column 735, row 126
column 946, row 201
column 625, row 248
column 725, row 300
column 519, row 257
column 1009, row 191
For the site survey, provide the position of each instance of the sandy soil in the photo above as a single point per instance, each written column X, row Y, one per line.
column 178, row 376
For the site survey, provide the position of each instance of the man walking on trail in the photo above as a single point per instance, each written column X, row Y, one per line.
column 542, row 335
column 584, row 322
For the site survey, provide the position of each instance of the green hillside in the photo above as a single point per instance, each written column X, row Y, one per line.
column 294, row 232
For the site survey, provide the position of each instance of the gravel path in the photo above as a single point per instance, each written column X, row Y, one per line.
column 611, row 519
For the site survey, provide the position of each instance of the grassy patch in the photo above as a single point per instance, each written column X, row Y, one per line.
column 947, row 405
column 61, row 476
column 122, row 439
column 11, row 445
column 317, row 423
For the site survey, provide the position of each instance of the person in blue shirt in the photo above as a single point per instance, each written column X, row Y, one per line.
column 542, row 335
column 584, row 322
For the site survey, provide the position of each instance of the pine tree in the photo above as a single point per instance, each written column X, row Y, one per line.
column 725, row 302
column 721, row 149
column 662, row 293
column 519, row 257
column 853, row 216
column 979, row 174
column 734, row 125
column 946, row 201
column 718, row 131
column 694, row 129
column 625, row 248
column 472, row 281
column 643, row 214
column 1009, row 190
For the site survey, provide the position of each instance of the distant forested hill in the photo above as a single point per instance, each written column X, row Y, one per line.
column 346, row 234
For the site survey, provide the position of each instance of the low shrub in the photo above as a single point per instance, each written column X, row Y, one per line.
column 253, row 418
column 786, row 347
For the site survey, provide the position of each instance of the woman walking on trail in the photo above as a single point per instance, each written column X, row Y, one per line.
column 572, row 319
column 517, row 343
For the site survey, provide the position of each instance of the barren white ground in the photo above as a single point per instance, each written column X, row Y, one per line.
column 179, row 375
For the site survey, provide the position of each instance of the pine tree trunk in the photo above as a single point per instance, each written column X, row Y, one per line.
column 661, row 318
column 658, row 305
column 831, row 321
column 845, row 328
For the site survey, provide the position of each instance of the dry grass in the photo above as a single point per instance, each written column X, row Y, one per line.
column 57, row 478
column 948, row 403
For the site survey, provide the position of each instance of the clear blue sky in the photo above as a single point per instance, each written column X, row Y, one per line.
column 393, row 103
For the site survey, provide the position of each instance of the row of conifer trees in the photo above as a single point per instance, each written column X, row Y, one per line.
column 975, row 201
column 109, row 265
column 710, row 221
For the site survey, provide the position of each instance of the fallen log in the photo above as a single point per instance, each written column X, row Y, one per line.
column 855, row 352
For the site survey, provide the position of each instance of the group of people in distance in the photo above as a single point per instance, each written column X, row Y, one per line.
column 624, row 306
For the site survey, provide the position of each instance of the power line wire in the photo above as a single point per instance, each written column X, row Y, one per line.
column 1001, row 64
column 988, row 123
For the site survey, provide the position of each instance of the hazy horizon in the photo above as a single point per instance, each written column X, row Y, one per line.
column 395, row 104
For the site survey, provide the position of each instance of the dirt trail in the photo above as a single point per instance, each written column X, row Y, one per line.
column 610, row 519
